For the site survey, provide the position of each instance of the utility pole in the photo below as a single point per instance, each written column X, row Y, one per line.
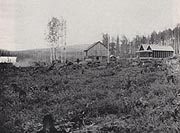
column 65, row 40
column 108, row 48
column 174, row 41
column 62, row 34
column 130, row 49
column 178, row 39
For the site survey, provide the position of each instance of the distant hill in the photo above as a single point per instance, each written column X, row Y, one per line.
column 43, row 55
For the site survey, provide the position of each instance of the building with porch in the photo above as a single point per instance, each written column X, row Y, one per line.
column 155, row 51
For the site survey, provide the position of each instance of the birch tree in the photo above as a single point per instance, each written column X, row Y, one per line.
column 53, row 35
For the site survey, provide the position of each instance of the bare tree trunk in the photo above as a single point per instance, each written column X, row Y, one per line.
column 54, row 53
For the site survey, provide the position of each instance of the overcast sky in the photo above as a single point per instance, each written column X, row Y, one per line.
column 23, row 22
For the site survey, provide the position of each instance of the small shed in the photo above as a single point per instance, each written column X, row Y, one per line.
column 97, row 51
column 155, row 51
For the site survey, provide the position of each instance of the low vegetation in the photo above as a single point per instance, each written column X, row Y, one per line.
column 121, row 97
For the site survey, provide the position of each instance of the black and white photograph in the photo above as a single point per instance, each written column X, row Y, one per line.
column 89, row 66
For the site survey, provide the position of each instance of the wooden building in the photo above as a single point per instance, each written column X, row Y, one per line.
column 8, row 59
column 97, row 52
column 155, row 51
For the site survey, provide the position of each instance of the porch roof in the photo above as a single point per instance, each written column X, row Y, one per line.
column 144, row 51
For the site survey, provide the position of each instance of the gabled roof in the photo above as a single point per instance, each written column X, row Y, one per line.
column 143, row 47
column 155, row 47
column 94, row 45
column 160, row 48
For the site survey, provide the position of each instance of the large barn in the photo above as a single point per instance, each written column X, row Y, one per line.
column 155, row 51
column 97, row 51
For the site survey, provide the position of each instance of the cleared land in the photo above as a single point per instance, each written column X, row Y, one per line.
column 115, row 98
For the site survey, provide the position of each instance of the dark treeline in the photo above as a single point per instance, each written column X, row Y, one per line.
column 5, row 53
column 124, row 47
